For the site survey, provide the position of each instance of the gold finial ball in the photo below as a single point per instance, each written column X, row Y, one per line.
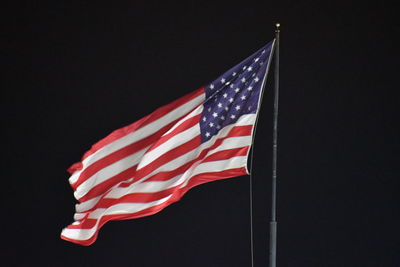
column 278, row 25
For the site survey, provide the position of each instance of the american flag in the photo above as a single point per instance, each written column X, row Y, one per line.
column 142, row 168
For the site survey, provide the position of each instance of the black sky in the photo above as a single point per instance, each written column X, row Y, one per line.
column 75, row 72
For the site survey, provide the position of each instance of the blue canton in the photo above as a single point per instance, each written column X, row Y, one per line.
column 235, row 93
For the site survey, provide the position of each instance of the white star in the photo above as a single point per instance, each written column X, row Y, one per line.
column 250, row 88
column 232, row 85
column 211, row 124
column 256, row 59
column 263, row 52
column 256, row 79
column 222, row 118
column 209, row 109
column 225, row 95
column 222, row 80
column 234, row 74
column 254, row 74
column 227, row 83
column 243, row 97
column 207, row 134
column 226, row 108
column 233, row 116
column 220, row 105
column 211, row 86
column 237, row 107
column 237, row 90
column 250, row 69
column 244, row 67
column 218, row 127
column 249, row 108
column 231, row 99
column 261, row 63
column 215, row 114
column 204, row 118
column 243, row 79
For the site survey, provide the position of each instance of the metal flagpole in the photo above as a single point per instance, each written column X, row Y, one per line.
column 273, row 223
column 252, row 156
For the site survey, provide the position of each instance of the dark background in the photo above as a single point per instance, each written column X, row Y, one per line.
column 75, row 72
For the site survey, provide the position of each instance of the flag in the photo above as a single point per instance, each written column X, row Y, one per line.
column 142, row 168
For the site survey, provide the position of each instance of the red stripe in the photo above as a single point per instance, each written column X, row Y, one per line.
column 148, row 197
column 130, row 198
column 126, row 151
column 185, row 148
column 117, row 134
column 187, row 124
column 104, row 186
column 168, row 156
column 85, row 224
column 138, row 198
column 107, row 184
column 166, row 175
column 226, row 154
column 98, row 165
column 196, row 180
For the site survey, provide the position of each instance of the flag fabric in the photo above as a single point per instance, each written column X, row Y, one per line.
column 142, row 168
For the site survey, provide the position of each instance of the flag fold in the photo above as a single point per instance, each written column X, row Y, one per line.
column 142, row 168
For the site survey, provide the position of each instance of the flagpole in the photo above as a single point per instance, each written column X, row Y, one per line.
column 273, row 223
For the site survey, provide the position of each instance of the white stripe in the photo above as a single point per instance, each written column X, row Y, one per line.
column 85, row 234
column 192, row 114
column 175, row 141
column 117, row 192
column 231, row 143
column 74, row 177
column 172, row 143
column 217, row 166
column 78, row 216
column 108, row 172
column 86, row 205
column 171, row 165
column 156, row 186
column 139, row 134
column 179, row 161
column 129, row 208
column 130, row 161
